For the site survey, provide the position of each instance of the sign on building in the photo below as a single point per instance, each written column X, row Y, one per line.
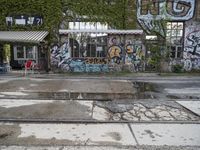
column 24, row 20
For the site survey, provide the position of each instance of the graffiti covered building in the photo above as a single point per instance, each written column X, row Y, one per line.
column 92, row 47
column 178, row 22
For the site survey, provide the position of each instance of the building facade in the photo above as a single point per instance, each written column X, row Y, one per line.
column 178, row 23
column 92, row 47
column 171, row 26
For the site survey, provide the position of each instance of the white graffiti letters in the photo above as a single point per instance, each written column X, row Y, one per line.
column 150, row 13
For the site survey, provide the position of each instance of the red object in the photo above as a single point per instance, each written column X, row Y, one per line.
column 28, row 64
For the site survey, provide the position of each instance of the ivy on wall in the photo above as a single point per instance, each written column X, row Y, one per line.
column 50, row 10
column 119, row 14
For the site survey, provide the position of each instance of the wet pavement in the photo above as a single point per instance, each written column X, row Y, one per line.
column 94, row 111
column 136, row 113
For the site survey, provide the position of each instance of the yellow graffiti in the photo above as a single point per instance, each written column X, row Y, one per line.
column 95, row 60
column 129, row 49
column 139, row 53
column 114, row 51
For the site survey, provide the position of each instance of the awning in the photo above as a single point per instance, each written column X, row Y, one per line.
column 23, row 36
column 61, row 31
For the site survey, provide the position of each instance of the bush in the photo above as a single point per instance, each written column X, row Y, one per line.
column 177, row 68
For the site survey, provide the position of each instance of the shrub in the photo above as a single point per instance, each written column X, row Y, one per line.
column 177, row 68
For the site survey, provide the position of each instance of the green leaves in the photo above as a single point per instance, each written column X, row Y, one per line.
column 50, row 10
column 117, row 13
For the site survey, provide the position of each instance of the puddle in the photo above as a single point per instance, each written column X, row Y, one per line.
column 145, row 87
column 145, row 90
column 142, row 91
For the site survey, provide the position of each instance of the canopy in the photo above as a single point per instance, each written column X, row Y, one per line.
column 23, row 36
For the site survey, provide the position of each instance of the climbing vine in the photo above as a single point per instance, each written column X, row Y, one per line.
column 49, row 10
column 119, row 14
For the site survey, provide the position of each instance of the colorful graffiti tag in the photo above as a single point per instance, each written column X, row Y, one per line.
column 134, row 55
column 59, row 54
column 61, row 58
column 133, row 52
column 150, row 18
column 115, row 54
column 192, row 48
column 115, row 50
column 118, row 54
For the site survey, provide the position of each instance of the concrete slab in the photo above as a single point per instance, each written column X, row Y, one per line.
column 14, row 93
column 167, row 134
column 194, row 106
column 45, row 109
column 70, row 85
column 144, row 147
column 81, row 134
column 183, row 90
column 10, row 103
column 63, row 148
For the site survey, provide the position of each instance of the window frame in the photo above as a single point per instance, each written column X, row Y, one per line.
column 175, row 40
column 34, row 52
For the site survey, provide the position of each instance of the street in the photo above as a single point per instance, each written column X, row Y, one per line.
column 56, row 112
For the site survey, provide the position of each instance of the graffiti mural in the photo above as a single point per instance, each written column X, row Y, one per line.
column 151, row 13
column 96, row 60
column 131, row 51
column 61, row 59
column 192, row 43
column 115, row 54
column 192, row 48
column 118, row 54
column 134, row 55
column 59, row 54
column 115, row 49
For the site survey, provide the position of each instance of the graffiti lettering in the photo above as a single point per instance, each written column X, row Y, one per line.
column 172, row 10
column 192, row 48
column 60, row 54
column 96, row 60
column 192, row 43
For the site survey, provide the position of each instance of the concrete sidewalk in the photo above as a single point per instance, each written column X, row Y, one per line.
column 120, row 134
column 70, row 114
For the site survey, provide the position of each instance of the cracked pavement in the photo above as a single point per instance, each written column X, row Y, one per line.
column 100, row 113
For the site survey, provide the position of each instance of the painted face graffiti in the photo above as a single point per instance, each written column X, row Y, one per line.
column 129, row 48
column 114, row 53
column 151, row 13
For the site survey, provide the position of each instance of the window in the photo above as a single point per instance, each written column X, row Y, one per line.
column 88, row 44
column 176, row 52
column 24, row 52
column 174, row 32
column 174, row 37
column 30, row 52
column 20, row 52
column 87, row 26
